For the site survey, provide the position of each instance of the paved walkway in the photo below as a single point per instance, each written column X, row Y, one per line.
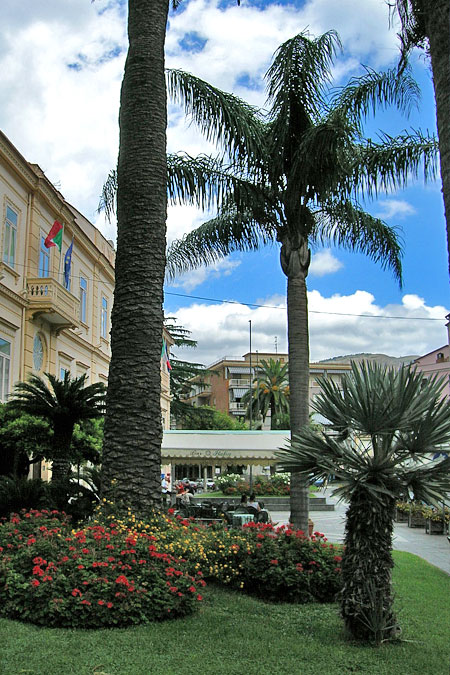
column 434, row 548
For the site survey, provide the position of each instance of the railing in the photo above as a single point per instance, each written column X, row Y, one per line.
column 234, row 405
column 236, row 382
column 48, row 297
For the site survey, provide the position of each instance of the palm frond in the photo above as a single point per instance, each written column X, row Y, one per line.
column 347, row 226
column 300, row 71
column 365, row 94
column 108, row 196
column 395, row 160
column 206, row 182
column 228, row 232
column 223, row 118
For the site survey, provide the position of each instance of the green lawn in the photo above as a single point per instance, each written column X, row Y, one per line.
column 237, row 635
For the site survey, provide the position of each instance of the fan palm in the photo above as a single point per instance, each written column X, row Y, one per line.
column 384, row 426
column 426, row 25
column 271, row 392
column 63, row 403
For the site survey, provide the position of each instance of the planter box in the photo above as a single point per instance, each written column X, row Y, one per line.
column 401, row 516
column 435, row 526
column 416, row 520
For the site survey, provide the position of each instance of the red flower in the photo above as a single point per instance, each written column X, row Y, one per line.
column 76, row 591
column 101, row 602
column 109, row 605
column 85, row 602
column 199, row 597
column 47, row 578
column 274, row 562
column 84, row 550
column 38, row 571
column 121, row 579
column 192, row 589
column 35, row 582
column 337, row 558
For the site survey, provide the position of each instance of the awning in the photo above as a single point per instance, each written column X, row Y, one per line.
column 239, row 370
column 240, row 391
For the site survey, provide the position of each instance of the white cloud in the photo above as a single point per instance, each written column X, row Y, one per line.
column 335, row 326
column 194, row 278
column 397, row 208
column 323, row 263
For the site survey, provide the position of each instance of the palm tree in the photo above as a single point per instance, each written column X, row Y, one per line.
column 133, row 428
column 63, row 403
column 271, row 392
column 384, row 426
column 293, row 177
column 426, row 24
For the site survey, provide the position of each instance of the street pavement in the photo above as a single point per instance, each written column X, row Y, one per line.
column 431, row 547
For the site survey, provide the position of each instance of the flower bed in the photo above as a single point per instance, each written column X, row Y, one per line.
column 234, row 484
column 100, row 575
column 120, row 571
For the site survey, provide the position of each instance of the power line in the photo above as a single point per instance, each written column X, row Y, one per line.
column 310, row 311
column 254, row 304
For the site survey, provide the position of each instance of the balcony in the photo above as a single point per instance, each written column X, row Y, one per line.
column 49, row 300
column 235, row 405
column 236, row 382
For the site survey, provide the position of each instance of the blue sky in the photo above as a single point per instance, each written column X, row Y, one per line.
column 62, row 65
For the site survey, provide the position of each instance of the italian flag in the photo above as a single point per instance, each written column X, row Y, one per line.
column 54, row 237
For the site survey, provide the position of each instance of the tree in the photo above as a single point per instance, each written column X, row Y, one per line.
column 271, row 393
column 24, row 440
column 133, row 429
column 294, row 177
column 206, row 417
column 426, row 24
column 63, row 403
column 384, row 426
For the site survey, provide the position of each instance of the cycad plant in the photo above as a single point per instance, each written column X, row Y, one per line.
column 63, row 403
column 384, row 427
column 270, row 393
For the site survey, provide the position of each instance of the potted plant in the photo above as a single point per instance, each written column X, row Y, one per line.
column 436, row 520
column 416, row 517
column 402, row 512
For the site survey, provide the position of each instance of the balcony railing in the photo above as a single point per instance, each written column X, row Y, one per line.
column 236, row 382
column 49, row 300
column 234, row 405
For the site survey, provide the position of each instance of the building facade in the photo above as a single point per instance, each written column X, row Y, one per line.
column 437, row 362
column 229, row 378
column 53, row 319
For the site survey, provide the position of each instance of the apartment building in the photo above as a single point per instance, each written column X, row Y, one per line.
column 229, row 379
column 437, row 362
column 54, row 317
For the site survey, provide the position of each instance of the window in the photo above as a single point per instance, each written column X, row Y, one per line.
column 44, row 259
column 104, row 319
column 83, row 299
column 10, row 237
column 5, row 359
column 62, row 373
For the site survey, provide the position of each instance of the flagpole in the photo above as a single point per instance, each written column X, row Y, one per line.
column 60, row 274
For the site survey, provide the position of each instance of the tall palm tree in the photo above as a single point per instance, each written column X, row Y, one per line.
column 133, row 428
column 63, row 403
column 294, row 176
column 384, row 426
column 271, row 392
column 426, row 24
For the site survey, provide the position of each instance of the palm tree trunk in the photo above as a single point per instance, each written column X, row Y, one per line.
column 366, row 568
column 437, row 19
column 133, row 429
column 295, row 259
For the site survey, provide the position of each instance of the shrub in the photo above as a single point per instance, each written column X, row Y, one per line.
column 277, row 564
column 23, row 493
column 104, row 574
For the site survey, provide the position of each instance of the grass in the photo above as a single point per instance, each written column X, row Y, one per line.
column 234, row 634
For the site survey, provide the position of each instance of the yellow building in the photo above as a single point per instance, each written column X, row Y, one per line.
column 49, row 322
